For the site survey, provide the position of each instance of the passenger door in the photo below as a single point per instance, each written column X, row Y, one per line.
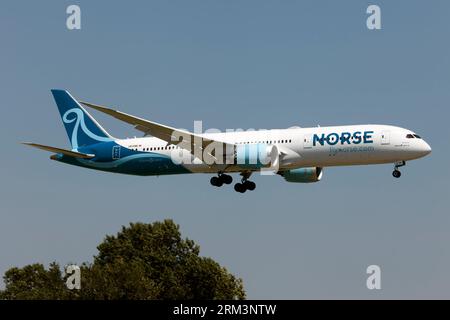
column 307, row 141
column 385, row 138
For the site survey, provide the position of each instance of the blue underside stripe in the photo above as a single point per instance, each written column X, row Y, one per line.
column 132, row 162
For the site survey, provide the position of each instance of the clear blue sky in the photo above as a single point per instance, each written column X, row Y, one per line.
column 235, row 64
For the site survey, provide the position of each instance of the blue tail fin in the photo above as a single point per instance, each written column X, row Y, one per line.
column 81, row 127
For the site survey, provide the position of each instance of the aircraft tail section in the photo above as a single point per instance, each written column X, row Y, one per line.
column 82, row 129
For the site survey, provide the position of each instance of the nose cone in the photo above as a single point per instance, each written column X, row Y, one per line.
column 425, row 149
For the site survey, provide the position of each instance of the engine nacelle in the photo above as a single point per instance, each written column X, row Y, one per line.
column 303, row 175
column 255, row 156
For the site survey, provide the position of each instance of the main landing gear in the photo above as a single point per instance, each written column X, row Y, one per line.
column 241, row 187
column 221, row 179
column 245, row 184
column 396, row 173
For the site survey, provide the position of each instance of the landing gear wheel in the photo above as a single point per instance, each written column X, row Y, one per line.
column 250, row 185
column 226, row 178
column 239, row 187
column 245, row 184
column 396, row 174
column 215, row 181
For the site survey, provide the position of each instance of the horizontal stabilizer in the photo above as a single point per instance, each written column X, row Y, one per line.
column 59, row 150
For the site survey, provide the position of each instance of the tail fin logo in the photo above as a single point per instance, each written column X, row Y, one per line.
column 79, row 121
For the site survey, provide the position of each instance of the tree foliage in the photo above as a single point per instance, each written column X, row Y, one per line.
column 143, row 261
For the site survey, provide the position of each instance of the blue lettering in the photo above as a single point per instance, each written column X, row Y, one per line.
column 316, row 139
column 368, row 137
column 345, row 137
column 331, row 141
column 357, row 137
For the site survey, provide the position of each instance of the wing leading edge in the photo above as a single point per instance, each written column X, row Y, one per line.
column 171, row 135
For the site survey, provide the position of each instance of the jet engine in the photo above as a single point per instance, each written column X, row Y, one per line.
column 303, row 175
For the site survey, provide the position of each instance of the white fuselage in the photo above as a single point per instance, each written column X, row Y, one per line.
column 310, row 147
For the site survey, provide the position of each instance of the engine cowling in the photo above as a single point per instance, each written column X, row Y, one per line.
column 255, row 156
column 303, row 175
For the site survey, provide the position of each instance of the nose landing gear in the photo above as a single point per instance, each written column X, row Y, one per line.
column 396, row 173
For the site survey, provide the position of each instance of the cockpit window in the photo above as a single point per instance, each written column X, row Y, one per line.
column 417, row 136
column 409, row 136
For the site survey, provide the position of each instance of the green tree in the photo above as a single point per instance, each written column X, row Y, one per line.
column 143, row 261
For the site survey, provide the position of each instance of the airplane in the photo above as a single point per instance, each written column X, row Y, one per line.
column 297, row 154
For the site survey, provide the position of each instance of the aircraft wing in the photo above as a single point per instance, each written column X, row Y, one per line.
column 171, row 135
column 59, row 150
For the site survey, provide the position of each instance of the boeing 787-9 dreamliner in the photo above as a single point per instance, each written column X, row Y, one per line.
column 296, row 154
